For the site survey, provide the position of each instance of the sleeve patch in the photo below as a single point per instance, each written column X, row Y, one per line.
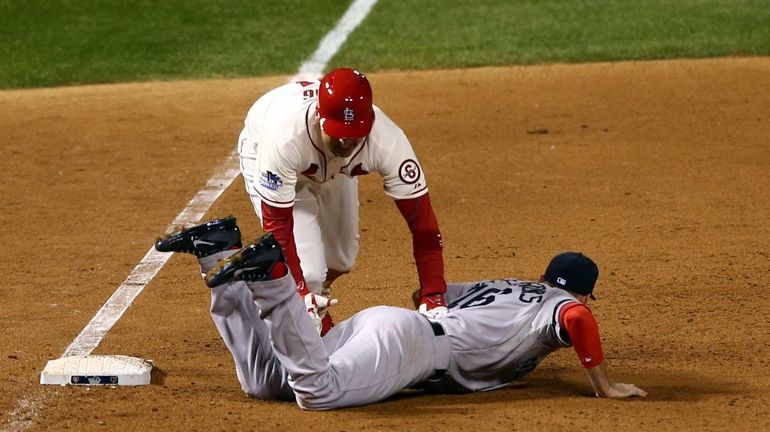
column 270, row 180
column 409, row 171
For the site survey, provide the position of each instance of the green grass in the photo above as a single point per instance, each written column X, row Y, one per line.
column 462, row 33
column 54, row 42
column 66, row 42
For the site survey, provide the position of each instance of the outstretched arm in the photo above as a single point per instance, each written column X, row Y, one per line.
column 428, row 249
column 583, row 333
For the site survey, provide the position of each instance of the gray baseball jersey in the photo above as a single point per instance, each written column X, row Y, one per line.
column 495, row 331
column 500, row 330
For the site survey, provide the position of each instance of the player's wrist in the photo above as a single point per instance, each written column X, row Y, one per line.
column 432, row 301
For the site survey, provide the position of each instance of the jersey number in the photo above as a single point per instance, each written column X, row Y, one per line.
column 308, row 93
column 479, row 295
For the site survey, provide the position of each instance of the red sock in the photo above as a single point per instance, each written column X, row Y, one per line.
column 326, row 324
column 279, row 270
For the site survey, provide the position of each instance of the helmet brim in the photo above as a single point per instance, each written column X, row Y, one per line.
column 342, row 129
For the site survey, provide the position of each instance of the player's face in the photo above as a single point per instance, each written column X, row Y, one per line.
column 342, row 147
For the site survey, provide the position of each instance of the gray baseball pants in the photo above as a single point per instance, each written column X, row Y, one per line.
column 278, row 353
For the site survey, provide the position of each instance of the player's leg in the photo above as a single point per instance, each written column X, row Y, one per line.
column 375, row 354
column 308, row 238
column 246, row 335
column 247, row 158
column 234, row 313
column 382, row 351
column 365, row 359
column 338, row 217
column 307, row 233
column 309, row 243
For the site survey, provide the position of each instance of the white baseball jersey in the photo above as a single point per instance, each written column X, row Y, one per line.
column 280, row 149
column 285, row 163
column 494, row 332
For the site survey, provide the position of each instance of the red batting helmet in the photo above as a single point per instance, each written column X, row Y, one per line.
column 345, row 104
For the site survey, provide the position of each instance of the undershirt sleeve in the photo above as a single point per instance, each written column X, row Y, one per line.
column 583, row 332
column 280, row 222
column 426, row 243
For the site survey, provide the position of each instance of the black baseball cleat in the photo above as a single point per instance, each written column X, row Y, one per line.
column 203, row 240
column 254, row 262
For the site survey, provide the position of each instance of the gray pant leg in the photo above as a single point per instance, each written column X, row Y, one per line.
column 236, row 316
column 373, row 355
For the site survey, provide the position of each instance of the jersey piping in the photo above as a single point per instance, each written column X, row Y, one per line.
column 563, row 338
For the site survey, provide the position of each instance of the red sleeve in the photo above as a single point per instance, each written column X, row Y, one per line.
column 280, row 222
column 583, row 332
column 426, row 243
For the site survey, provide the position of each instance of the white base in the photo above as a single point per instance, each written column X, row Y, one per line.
column 96, row 370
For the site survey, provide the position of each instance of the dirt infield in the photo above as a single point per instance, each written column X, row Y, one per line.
column 658, row 170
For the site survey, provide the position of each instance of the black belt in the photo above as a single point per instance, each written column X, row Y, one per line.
column 438, row 330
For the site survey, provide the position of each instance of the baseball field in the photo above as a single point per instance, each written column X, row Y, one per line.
column 636, row 132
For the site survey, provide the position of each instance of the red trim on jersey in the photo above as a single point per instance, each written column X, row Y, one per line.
column 276, row 203
column 354, row 154
column 310, row 137
column 280, row 222
column 414, row 192
column 426, row 243
column 583, row 332
column 311, row 170
column 358, row 171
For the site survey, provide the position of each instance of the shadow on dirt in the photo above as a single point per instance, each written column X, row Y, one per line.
column 563, row 386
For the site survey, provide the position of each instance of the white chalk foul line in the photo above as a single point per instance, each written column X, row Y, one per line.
column 199, row 205
column 27, row 408
column 333, row 40
column 150, row 265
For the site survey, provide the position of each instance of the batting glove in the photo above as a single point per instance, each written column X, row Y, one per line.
column 316, row 306
column 433, row 306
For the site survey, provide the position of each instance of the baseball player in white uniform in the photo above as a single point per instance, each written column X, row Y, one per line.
column 494, row 332
column 301, row 150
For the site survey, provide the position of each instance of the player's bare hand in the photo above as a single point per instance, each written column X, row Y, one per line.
column 620, row 390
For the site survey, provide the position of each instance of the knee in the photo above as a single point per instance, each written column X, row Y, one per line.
column 314, row 277
column 316, row 394
column 256, row 392
column 310, row 402
column 343, row 259
column 266, row 392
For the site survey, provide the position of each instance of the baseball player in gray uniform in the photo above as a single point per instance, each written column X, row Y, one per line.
column 495, row 331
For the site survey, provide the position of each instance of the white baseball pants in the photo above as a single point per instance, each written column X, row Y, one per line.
column 325, row 221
